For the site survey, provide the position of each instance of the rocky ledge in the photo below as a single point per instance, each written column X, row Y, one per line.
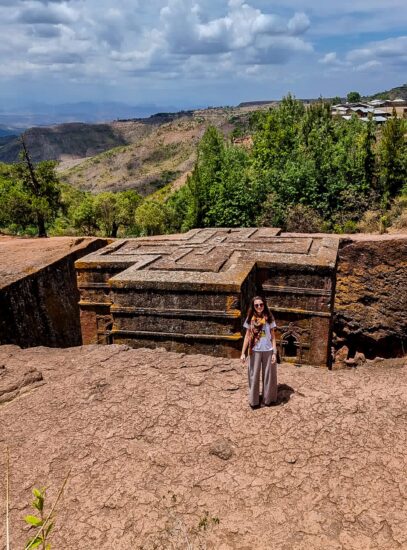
column 165, row 453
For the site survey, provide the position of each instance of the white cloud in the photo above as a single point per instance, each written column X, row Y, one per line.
column 331, row 59
column 186, row 31
column 374, row 55
column 39, row 13
column 368, row 66
column 299, row 23
column 392, row 50
column 93, row 37
column 211, row 43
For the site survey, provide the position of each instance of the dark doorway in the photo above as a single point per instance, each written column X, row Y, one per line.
column 290, row 346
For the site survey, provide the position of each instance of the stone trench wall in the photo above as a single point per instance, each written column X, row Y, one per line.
column 370, row 313
column 42, row 309
column 371, row 298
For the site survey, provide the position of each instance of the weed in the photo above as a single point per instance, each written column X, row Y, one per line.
column 39, row 521
column 45, row 523
column 206, row 521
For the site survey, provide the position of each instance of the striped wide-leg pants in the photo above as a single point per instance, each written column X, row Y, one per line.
column 260, row 362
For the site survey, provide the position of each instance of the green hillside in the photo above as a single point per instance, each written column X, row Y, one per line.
column 400, row 92
column 166, row 153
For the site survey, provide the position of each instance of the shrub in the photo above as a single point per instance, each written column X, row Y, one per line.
column 273, row 213
column 370, row 222
column 303, row 219
column 398, row 213
column 401, row 222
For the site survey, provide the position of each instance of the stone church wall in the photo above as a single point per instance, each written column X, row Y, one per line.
column 370, row 314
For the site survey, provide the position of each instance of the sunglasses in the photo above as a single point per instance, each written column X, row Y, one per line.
column 258, row 305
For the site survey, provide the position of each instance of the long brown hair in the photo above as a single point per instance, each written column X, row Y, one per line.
column 252, row 310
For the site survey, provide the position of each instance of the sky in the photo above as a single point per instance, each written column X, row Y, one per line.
column 198, row 53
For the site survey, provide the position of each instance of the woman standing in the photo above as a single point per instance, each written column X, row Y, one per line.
column 260, row 340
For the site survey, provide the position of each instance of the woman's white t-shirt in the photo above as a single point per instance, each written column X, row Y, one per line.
column 265, row 342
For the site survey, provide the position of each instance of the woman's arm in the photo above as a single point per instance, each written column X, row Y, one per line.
column 245, row 345
column 274, row 344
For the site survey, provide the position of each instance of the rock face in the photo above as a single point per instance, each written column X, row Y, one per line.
column 371, row 297
column 17, row 380
column 38, row 292
column 190, row 292
column 166, row 453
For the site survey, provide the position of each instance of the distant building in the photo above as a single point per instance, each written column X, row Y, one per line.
column 379, row 109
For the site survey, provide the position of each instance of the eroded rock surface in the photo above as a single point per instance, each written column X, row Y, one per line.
column 165, row 452
column 38, row 292
column 371, row 297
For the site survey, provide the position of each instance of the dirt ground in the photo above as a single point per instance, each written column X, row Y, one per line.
column 165, row 453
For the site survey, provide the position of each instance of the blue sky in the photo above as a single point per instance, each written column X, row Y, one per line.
column 200, row 52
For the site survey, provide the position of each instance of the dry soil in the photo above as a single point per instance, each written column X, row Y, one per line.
column 165, row 453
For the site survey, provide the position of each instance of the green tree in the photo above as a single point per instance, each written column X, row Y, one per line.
column 234, row 199
column 277, row 136
column 393, row 158
column 368, row 145
column 152, row 217
column 83, row 215
column 273, row 212
column 40, row 187
column 16, row 212
column 205, row 175
column 179, row 208
column 106, row 213
column 126, row 206
column 353, row 97
column 303, row 219
column 113, row 210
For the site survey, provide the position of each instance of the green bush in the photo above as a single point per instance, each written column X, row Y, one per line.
column 303, row 219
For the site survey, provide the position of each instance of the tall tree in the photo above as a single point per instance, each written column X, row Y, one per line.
column 113, row 210
column 152, row 217
column 393, row 158
column 277, row 137
column 41, row 186
column 353, row 97
column 206, row 175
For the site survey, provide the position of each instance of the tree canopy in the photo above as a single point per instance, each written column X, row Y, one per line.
column 305, row 171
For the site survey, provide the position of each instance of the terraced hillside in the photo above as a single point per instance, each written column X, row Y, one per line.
column 165, row 153
column 142, row 154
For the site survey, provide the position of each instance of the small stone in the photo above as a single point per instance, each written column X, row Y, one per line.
column 342, row 354
column 378, row 359
column 290, row 459
column 350, row 362
column 360, row 358
column 222, row 449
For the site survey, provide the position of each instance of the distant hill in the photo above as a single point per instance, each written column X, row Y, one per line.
column 7, row 133
column 160, row 150
column 43, row 114
column 143, row 154
column 400, row 92
column 75, row 140
column 6, row 139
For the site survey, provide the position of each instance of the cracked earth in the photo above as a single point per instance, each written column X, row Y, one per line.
column 166, row 454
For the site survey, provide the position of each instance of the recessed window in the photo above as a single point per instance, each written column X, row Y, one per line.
column 290, row 348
